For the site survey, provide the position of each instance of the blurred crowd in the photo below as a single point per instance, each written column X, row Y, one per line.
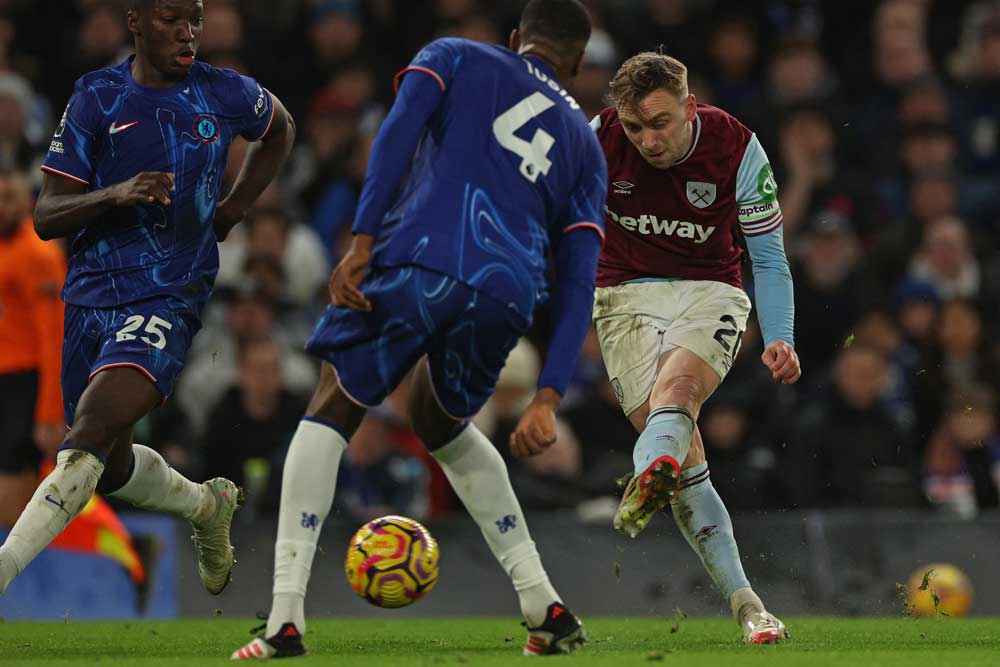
column 882, row 122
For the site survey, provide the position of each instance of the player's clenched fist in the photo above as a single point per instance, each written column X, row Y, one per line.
column 536, row 430
column 783, row 362
column 145, row 188
column 347, row 276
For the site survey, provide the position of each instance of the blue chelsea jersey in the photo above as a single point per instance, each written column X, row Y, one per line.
column 506, row 166
column 112, row 130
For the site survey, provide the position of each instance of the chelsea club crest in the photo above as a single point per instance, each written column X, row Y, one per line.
column 206, row 128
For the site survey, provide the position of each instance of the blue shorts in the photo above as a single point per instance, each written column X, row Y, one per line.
column 151, row 336
column 465, row 334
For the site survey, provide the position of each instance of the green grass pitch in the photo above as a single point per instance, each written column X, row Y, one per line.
column 881, row 642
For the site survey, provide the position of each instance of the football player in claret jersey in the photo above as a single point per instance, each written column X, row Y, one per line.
column 133, row 177
column 451, row 264
column 686, row 183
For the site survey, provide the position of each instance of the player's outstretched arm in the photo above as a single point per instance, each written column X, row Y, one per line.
column 536, row 429
column 64, row 205
column 775, row 304
column 262, row 163
column 573, row 301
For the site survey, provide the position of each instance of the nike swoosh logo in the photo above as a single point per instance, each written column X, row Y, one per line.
column 57, row 503
column 120, row 128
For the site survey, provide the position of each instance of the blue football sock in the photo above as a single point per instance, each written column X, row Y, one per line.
column 668, row 433
column 705, row 523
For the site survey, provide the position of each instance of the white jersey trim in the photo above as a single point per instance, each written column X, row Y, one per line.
column 694, row 144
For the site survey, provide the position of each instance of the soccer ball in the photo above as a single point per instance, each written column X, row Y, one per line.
column 392, row 562
column 952, row 588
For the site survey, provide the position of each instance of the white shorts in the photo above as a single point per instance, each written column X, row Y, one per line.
column 638, row 322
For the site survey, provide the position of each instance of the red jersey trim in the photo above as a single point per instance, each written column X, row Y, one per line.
column 596, row 228
column 274, row 111
column 126, row 364
column 416, row 68
column 764, row 228
column 348, row 394
column 63, row 173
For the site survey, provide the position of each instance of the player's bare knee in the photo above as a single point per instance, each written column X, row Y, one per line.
column 684, row 389
column 338, row 410
column 94, row 433
column 331, row 404
column 427, row 419
column 430, row 423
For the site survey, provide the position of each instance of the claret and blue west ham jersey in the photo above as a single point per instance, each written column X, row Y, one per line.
column 112, row 130
column 506, row 166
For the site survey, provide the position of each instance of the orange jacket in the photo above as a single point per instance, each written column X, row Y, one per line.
column 32, row 272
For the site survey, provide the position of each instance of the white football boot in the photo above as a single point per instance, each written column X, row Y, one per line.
column 211, row 537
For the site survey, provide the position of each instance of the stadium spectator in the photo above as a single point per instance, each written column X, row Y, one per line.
column 933, row 196
column 335, row 35
column 981, row 139
column 744, row 468
column 847, row 449
column 214, row 358
column 734, row 50
column 268, row 232
column 320, row 169
column 797, row 73
column 946, row 262
column 16, row 150
column 680, row 26
column 223, row 31
column 833, row 288
column 962, row 465
column 925, row 101
column 878, row 330
column 963, row 355
column 600, row 60
column 808, row 163
column 251, row 426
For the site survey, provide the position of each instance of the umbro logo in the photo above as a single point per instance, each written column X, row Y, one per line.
column 706, row 533
column 622, row 187
column 115, row 129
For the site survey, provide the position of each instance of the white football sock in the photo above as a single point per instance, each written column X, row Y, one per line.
column 478, row 474
column 58, row 500
column 307, row 487
column 154, row 485
column 705, row 524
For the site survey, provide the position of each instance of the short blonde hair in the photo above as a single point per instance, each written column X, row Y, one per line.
column 644, row 73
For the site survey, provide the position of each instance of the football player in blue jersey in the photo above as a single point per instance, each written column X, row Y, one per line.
column 133, row 178
column 449, row 265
